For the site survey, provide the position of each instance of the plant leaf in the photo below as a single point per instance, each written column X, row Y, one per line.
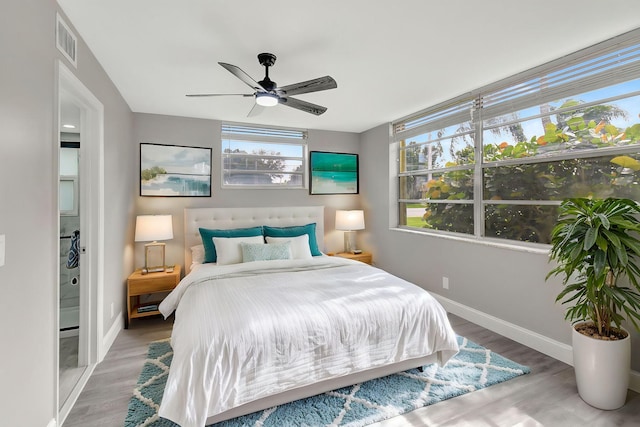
column 590, row 238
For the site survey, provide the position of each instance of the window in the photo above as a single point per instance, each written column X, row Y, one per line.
column 497, row 162
column 263, row 157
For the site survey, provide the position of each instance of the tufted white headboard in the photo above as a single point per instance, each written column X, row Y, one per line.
column 226, row 218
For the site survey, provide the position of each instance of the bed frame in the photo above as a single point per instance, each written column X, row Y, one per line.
column 226, row 218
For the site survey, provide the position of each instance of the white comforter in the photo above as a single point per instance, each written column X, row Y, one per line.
column 246, row 331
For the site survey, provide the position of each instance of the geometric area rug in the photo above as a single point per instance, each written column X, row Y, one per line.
column 473, row 368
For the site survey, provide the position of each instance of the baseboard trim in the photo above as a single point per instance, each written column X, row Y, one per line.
column 534, row 340
column 110, row 337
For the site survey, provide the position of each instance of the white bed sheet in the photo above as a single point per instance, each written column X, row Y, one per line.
column 246, row 331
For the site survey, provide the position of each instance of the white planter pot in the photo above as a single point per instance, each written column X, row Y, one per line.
column 602, row 370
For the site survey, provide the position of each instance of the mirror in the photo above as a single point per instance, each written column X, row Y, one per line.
column 71, row 364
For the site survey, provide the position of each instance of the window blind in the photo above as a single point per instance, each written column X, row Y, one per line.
column 456, row 111
column 596, row 67
column 606, row 66
column 255, row 133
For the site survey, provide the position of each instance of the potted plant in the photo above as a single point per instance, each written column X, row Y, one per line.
column 597, row 249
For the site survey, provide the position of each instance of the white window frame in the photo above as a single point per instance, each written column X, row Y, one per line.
column 68, row 190
column 267, row 136
column 453, row 112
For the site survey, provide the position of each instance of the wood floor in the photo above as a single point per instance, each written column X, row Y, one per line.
column 546, row 397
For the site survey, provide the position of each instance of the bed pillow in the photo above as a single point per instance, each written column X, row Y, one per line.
column 197, row 254
column 229, row 249
column 207, row 234
column 295, row 231
column 299, row 245
column 261, row 252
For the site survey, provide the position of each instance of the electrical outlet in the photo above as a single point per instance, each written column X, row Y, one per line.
column 445, row 282
column 112, row 310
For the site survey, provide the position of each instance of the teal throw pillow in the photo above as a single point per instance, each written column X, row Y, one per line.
column 295, row 231
column 208, row 235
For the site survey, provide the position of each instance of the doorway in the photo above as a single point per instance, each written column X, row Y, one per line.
column 71, row 362
column 80, row 211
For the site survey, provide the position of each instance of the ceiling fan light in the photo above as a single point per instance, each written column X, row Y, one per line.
column 266, row 99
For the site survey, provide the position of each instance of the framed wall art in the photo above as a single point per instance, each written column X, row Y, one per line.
column 174, row 171
column 333, row 173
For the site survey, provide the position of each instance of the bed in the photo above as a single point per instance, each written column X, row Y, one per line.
column 252, row 335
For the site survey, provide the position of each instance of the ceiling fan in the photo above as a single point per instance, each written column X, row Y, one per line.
column 267, row 93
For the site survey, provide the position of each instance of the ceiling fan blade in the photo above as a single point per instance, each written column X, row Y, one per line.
column 256, row 110
column 315, row 85
column 218, row 94
column 242, row 76
column 303, row 105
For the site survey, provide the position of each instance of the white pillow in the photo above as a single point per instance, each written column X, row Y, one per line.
column 197, row 254
column 299, row 245
column 228, row 249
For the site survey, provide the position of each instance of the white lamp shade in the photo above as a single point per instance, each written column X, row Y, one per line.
column 153, row 228
column 350, row 220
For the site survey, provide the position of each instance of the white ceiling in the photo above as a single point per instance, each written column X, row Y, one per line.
column 390, row 58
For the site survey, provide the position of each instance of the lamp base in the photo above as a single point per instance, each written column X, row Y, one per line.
column 350, row 241
column 154, row 257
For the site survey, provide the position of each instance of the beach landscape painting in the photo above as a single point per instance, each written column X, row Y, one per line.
column 333, row 173
column 174, row 171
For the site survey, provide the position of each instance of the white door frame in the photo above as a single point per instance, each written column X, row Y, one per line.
column 91, row 173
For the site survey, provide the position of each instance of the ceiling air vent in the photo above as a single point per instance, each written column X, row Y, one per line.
column 66, row 41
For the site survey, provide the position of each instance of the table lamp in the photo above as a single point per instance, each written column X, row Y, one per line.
column 349, row 222
column 151, row 228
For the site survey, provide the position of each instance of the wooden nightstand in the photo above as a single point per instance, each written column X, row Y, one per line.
column 145, row 284
column 363, row 257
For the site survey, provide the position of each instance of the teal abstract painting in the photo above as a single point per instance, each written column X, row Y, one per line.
column 333, row 173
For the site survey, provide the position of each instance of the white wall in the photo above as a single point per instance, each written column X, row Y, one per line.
column 206, row 133
column 26, row 213
column 505, row 283
column 28, row 209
